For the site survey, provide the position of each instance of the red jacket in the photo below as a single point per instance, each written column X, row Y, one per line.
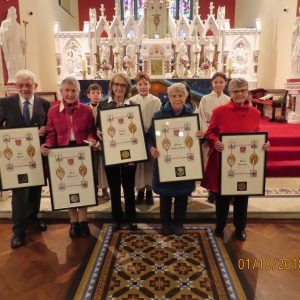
column 225, row 119
column 59, row 125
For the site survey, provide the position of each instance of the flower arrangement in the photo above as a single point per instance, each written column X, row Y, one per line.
column 105, row 66
column 205, row 65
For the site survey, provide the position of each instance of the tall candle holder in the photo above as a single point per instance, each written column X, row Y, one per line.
column 196, row 74
column 175, row 75
column 84, row 73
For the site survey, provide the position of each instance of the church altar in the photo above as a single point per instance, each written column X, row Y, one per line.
column 158, row 44
column 199, row 87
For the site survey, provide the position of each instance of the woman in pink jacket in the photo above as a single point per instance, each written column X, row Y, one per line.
column 236, row 116
column 70, row 123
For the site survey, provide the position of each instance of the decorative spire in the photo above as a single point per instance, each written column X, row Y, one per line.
column 117, row 11
column 102, row 10
column 211, row 8
column 196, row 9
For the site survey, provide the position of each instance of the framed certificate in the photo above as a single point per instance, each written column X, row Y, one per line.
column 123, row 135
column 180, row 156
column 243, row 164
column 71, row 177
column 20, row 158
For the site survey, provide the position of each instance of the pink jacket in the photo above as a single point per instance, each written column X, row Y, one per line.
column 59, row 125
column 226, row 119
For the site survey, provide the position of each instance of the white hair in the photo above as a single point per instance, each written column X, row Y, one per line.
column 25, row 74
column 177, row 87
column 71, row 80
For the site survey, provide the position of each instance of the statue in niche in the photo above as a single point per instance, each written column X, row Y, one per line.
column 131, row 50
column 13, row 44
column 240, row 58
column 104, row 53
column 295, row 55
column 73, row 59
column 209, row 51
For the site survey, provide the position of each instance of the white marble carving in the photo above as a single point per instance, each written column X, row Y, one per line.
column 13, row 44
column 158, row 44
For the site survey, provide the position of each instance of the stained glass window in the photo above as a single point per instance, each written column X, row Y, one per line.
column 140, row 8
column 177, row 8
column 127, row 5
column 173, row 8
column 185, row 8
column 181, row 7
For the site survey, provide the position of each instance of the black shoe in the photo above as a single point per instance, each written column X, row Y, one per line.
column 167, row 229
column 240, row 235
column 17, row 242
column 140, row 196
column 149, row 197
column 116, row 226
column 132, row 226
column 211, row 197
column 40, row 226
column 74, row 230
column 219, row 233
column 84, row 229
column 179, row 230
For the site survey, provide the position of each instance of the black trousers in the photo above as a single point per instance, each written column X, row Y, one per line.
column 116, row 176
column 180, row 206
column 240, row 207
column 25, row 207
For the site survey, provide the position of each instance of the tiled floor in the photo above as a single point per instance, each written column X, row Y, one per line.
column 282, row 200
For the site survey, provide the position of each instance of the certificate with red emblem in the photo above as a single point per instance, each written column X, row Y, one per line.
column 243, row 164
column 20, row 158
column 123, row 135
column 71, row 178
column 180, row 156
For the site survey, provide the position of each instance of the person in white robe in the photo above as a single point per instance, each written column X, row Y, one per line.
column 207, row 104
column 149, row 105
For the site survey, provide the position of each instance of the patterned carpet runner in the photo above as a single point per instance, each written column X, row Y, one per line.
column 143, row 264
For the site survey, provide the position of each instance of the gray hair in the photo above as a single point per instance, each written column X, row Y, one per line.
column 177, row 87
column 237, row 83
column 72, row 81
column 25, row 74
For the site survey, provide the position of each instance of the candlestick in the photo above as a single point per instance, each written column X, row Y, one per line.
column 84, row 65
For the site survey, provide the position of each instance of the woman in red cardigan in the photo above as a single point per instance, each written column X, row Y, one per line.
column 236, row 116
column 70, row 123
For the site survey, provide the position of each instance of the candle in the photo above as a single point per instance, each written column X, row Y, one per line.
column 229, row 63
column 84, row 65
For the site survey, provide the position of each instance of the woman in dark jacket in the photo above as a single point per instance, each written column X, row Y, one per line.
column 120, row 175
column 175, row 107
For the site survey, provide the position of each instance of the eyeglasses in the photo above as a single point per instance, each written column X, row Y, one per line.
column 27, row 86
column 120, row 85
column 239, row 91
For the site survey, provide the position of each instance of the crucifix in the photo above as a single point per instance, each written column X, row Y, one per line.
column 156, row 20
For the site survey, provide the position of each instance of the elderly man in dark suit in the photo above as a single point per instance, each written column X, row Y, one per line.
column 21, row 110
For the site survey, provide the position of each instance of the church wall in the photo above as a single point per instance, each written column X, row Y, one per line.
column 40, row 43
column 276, row 37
